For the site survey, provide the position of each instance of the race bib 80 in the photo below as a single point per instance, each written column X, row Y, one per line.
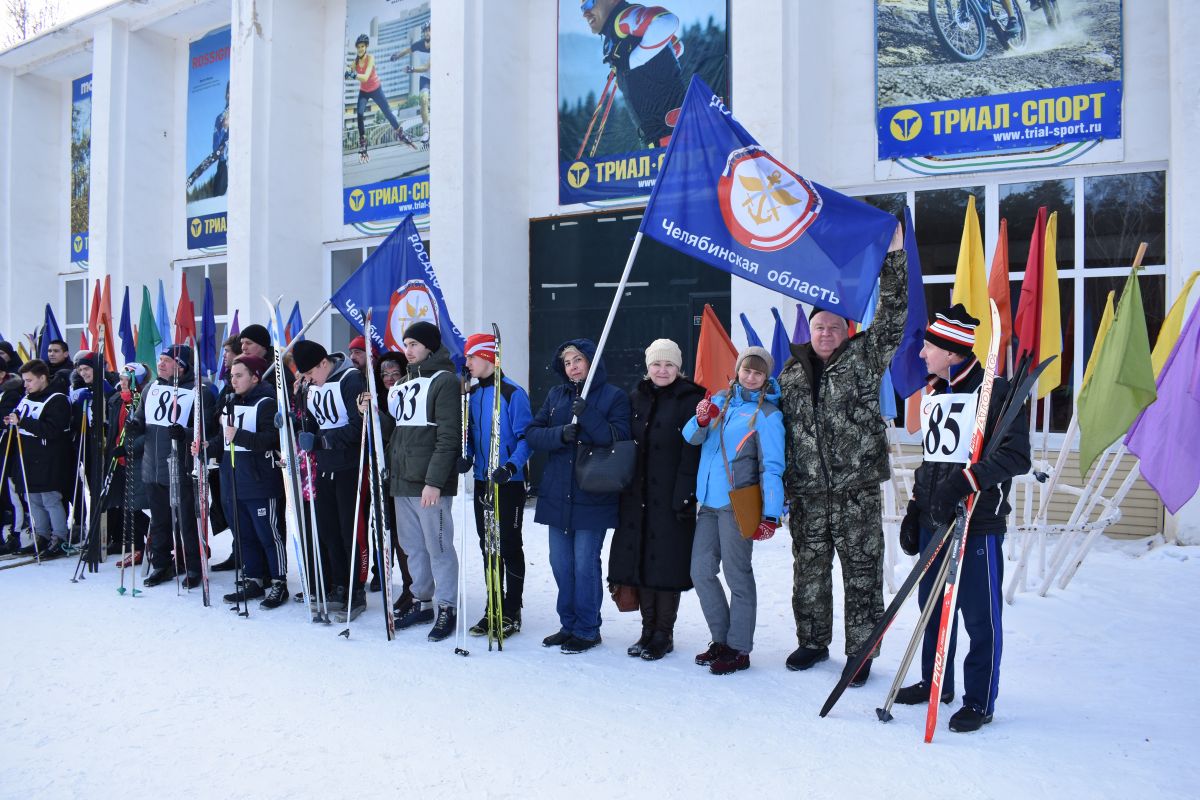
column 327, row 406
column 947, row 424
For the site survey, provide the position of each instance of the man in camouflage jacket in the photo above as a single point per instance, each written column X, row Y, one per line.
column 836, row 458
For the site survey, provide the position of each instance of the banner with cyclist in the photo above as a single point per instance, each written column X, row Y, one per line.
column 995, row 84
column 207, row 140
column 386, row 82
column 81, row 166
column 623, row 69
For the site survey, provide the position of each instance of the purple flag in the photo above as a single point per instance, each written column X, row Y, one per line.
column 1166, row 436
column 801, row 334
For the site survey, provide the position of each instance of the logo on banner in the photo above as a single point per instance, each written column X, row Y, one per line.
column 77, row 244
column 906, row 124
column 357, row 199
column 578, row 174
column 765, row 205
column 412, row 302
column 197, row 227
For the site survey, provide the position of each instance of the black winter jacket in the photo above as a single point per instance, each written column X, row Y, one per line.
column 127, row 490
column 44, row 439
column 331, row 412
column 154, row 417
column 256, row 444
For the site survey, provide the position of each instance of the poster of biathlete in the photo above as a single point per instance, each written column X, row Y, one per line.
column 623, row 69
column 81, row 166
column 207, row 140
column 973, row 85
column 385, row 117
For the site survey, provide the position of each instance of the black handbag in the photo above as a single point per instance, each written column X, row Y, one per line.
column 607, row 468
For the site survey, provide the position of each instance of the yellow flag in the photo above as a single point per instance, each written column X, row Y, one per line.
column 1101, row 332
column 1168, row 334
column 970, row 280
column 1051, row 337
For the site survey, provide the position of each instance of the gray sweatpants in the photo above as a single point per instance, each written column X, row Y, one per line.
column 49, row 516
column 427, row 538
column 719, row 545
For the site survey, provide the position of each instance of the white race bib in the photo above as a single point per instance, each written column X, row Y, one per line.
column 245, row 418
column 32, row 409
column 166, row 405
column 328, row 408
column 408, row 402
column 947, row 424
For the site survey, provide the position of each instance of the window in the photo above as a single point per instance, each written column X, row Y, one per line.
column 76, row 302
column 193, row 275
column 938, row 218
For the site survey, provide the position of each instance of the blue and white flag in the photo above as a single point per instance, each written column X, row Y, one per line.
column 398, row 284
column 722, row 198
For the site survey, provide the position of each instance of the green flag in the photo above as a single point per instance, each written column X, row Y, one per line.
column 148, row 337
column 1122, row 383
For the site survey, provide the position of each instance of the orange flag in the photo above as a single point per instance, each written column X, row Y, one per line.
column 105, row 318
column 999, row 292
column 93, row 317
column 715, row 355
column 185, row 319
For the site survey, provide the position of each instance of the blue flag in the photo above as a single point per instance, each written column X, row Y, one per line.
column 162, row 318
column 128, row 345
column 398, row 284
column 723, row 199
column 801, row 334
column 208, row 355
column 50, row 332
column 781, row 346
column 752, row 337
column 295, row 324
column 908, row 368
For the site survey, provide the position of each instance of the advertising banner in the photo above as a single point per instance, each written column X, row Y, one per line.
column 623, row 69
column 385, row 114
column 207, row 140
column 81, row 165
column 969, row 85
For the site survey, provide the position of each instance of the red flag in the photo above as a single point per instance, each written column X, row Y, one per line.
column 93, row 317
column 998, row 292
column 83, row 345
column 105, row 318
column 1028, row 325
column 715, row 354
column 185, row 318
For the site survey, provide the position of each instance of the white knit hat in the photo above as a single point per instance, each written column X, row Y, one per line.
column 762, row 353
column 664, row 350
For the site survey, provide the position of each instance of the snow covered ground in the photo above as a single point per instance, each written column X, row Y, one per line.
column 107, row 696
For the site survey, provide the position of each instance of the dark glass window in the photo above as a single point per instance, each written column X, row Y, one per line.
column 939, row 219
column 1122, row 211
column 1019, row 203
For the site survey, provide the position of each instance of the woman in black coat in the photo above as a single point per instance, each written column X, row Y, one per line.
column 652, row 546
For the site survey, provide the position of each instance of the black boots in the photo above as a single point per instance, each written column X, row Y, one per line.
column 804, row 657
column 659, row 611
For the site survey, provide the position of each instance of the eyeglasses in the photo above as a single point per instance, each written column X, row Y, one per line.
column 586, row 5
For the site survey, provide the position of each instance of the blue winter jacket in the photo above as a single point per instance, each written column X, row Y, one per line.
column 515, row 414
column 560, row 503
column 754, row 443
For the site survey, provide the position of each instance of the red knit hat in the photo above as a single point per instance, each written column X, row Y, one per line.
column 481, row 345
column 358, row 343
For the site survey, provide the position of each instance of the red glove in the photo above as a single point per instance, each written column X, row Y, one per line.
column 766, row 529
column 706, row 412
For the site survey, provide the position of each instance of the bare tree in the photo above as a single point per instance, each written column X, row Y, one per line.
column 25, row 19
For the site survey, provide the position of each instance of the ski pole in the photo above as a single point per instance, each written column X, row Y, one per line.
column 239, row 579
column 460, row 626
column 358, row 487
column 603, row 95
column 603, row 121
column 37, row 553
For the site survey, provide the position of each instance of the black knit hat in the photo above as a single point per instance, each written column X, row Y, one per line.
column 307, row 354
column 953, row 329
column 86, row 358
column 257, row 334
column 426, row 333
column 182, row 355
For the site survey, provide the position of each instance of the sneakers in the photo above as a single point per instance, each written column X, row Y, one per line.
column 444, row 625
column 968, row 719
column 637, row 647
column 358, row 604
column 160, row 575
column 251, row 590
column 556, row 639
column 575, row 645
column 731, row 661
column 804, row 657
column 276, row 596
column 1013, row 29
column 919, row 693
column 336, row 599
column 131, row 560
column 715, row 650
column 512, row 625
column 402, row 605
column 479, row 628
column 864, row 672
column 421, row 611
column 659, row 645
column 508, row 626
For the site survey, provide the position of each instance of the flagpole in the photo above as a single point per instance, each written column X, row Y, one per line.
column 612, row 311
column 311, row 321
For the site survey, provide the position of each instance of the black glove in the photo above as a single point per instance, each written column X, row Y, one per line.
column 503, row 474
column 177, row 432
column 947, row 495
column 463, row 465
column 910, row 530
column 570, row 433
column 118, row 451
column 618, row 55
column 306, row 441
column 579, row 406
column 134, row 427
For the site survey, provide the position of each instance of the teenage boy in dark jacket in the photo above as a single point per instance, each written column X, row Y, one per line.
column 41, row 420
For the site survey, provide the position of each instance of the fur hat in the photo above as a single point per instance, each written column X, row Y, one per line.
column 664, row 350
column 953, row 330
column 307, row 355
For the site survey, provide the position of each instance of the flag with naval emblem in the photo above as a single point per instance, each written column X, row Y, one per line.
column 720, row 197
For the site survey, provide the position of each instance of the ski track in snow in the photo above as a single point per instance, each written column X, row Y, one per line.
column 107, row 695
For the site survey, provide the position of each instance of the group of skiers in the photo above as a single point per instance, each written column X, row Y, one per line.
column 712, row 476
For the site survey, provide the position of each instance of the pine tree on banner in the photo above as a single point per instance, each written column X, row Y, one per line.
column 1123, row 381
column 970, row 280
column 148, row 340
column 722, row 198
column 999, row 292
column 1166, row 437
column 715, row 354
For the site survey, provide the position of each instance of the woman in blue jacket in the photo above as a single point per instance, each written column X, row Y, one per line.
column 577, row 519
column 741, row 436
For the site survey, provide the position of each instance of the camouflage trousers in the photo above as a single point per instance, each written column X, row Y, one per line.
column 851, row 523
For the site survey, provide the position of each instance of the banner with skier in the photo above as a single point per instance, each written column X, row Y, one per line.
column 207, row 140
column 81, row 165
column 623, row 69
column 385, row 116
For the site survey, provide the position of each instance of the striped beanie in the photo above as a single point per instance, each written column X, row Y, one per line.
column 481, row 345
column 953, row 330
